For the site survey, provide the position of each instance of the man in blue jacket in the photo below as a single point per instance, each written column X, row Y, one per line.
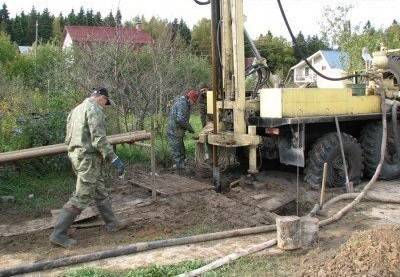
column 178, row 124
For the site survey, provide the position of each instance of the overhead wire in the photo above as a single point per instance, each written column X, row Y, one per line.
column 301, row 54
column 202, row 2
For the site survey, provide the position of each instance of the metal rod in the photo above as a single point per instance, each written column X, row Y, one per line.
column 153, row 162
column 252, row 45
column 324, row 173
column 339, row 134
column 62, row 148
column 216, row 73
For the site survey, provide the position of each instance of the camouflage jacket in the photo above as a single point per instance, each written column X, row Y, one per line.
column 178, row 121
column 86, row 131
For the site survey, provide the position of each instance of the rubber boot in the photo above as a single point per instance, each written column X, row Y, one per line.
column 112, row 223
column 65, row 219
column 180, row 167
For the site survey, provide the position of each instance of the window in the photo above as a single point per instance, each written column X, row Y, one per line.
column 306, row 71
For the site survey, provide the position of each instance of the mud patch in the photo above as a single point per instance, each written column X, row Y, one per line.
column 369, row 253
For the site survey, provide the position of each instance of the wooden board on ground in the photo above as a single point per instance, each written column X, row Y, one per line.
column 170, row 184
column 276, row 202
column 41, row 224
column 261, row 196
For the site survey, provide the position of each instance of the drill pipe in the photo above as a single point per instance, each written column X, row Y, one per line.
column 62, row 148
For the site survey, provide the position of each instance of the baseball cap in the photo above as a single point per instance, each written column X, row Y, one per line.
column 103, row 91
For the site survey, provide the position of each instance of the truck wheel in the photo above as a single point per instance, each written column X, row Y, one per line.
column 327, row 150
column 394, row 67
column 371, row 139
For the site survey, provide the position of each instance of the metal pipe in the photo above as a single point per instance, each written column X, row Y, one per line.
column 349, row 187
column 216, row 76
column 62, row 148
column 252, row 45
column 133, row 248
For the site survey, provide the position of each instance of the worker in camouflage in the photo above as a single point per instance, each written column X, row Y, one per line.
column 88, row 151
column 178, row 124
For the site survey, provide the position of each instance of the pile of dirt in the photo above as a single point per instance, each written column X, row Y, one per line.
column 369, row 253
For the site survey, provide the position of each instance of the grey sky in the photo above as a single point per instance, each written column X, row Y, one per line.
column 262, row 15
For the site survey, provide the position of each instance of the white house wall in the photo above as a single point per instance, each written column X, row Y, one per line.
column 334, row 73
column 67, row 41
column 300, row 71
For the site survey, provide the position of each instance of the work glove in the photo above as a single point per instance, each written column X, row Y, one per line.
column 119, row 165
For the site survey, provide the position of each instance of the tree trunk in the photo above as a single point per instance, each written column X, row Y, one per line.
column 288, row 232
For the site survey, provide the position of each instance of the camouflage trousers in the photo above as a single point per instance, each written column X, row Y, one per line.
column 177, row 150
column 92, row 182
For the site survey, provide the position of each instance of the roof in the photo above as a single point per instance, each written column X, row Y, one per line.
column 129, row 35
column 335, row 59
column 24, row 49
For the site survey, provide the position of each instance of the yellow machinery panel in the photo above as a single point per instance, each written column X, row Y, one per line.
column 210, row 102
column 305, row 102
column 319, row 102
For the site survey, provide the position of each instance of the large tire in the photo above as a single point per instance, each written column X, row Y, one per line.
column 394, row 68
column 371, row 139
column 327, row 150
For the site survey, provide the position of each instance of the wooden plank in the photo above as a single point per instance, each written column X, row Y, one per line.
column 41, row 224
column 170, row 184
column 238, row 64
column 276, row 202
column 260, row 196
column 149, row 187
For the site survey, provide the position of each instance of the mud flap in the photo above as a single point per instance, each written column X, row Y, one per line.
column 291, row 145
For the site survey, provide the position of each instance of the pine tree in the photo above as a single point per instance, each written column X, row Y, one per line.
column 71, row 19
column 98, row 21
column 174, row 29
column 19, row 29
column 5, row 23
column 109, row 20
column 118, row 18
column 184, row 32
column 45, row 26
column 90, row 18
column 57, row 29
column 302, row 47
column 31, row 28
column 81, row 18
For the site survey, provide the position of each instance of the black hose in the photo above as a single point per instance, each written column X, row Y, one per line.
column 301, row 54
column 202, row 3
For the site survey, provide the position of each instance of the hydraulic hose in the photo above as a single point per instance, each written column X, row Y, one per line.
column 378, row 169
column 301, row 54
column 202, row 3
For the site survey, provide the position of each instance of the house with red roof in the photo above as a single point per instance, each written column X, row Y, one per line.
column 88, row 35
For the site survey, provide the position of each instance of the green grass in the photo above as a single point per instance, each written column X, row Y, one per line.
column 151, row 271
column 246, row 266
column 49, row 191
column 138, row 154
column 254, row 266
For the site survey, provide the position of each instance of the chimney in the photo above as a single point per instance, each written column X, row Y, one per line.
column 138, row 25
